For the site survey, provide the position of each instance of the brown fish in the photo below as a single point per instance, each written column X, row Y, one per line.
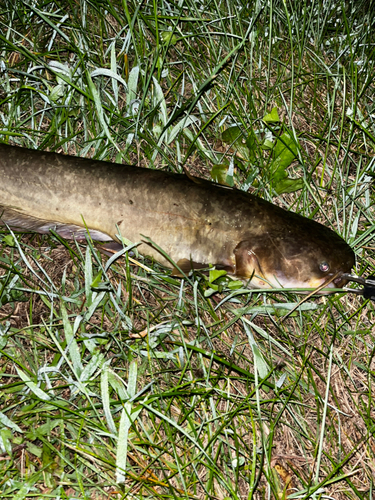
column 196, row 222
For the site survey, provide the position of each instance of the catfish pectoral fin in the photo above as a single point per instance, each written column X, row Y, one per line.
column 19, row 221
column 186, row 265
column 225, row 267
column 110, row 248
column 71, row 231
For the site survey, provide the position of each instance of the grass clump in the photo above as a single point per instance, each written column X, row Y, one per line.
column 121, row 381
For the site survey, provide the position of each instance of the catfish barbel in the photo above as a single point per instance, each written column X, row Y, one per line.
column 194, row 221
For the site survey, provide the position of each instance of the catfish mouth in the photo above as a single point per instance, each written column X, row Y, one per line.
column 318, row 285
column 331, row 280
column 279, row 280
column 337, row 280
column 340, row 281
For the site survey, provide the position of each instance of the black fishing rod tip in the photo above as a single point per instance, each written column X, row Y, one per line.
column 368, row 290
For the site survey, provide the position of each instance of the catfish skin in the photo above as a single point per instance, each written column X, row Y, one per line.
column 195, row 222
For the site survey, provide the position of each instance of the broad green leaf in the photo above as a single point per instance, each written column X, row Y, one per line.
column 272, row 117
column 8, row 240
column 288, row 185
column 215, row 274
column 269, row 140
column 221, row 174
column 210, row 291
column 283, row 153
column 267, row 144
column 252, row 143
column 235, row 284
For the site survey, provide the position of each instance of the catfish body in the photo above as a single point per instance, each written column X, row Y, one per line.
column 196, row 222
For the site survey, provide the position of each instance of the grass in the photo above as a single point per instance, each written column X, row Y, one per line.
column 119, row 381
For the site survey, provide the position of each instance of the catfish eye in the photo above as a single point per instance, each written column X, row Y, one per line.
column 324, row 267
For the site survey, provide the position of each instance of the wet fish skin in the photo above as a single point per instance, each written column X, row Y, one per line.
column 195, row 222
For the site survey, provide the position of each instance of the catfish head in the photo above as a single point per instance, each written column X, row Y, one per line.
column 301, row 258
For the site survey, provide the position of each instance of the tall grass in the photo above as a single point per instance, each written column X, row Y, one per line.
column 119, row 381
